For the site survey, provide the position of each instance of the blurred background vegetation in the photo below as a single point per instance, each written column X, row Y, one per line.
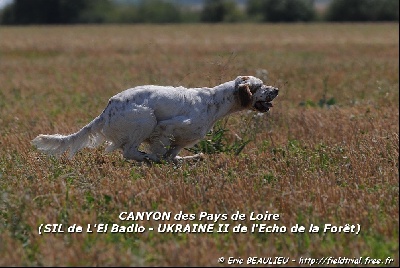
column 22, row 12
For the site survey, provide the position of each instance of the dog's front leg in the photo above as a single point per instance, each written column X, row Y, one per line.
column 196, row 157
column 131, row 152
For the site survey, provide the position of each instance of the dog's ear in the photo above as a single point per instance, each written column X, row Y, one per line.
column 241, row 80
column 244, row 95
column 254, row 83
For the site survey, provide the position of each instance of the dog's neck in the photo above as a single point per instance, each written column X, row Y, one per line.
column 226, row 100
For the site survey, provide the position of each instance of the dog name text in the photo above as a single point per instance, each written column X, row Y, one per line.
column 200, row 222
column 144, row 216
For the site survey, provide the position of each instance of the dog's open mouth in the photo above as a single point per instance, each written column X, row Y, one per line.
column 262, row 106
column 264, row 98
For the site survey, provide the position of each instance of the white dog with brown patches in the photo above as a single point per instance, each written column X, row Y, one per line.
column 167, row 119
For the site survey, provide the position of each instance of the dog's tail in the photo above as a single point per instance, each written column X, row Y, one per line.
column 89, row 136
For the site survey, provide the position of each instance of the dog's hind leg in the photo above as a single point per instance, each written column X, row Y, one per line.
column 128, row 128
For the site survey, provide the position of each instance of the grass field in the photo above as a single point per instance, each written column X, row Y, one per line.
column 327, row 153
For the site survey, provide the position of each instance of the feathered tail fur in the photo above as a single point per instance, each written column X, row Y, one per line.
column 89, row 136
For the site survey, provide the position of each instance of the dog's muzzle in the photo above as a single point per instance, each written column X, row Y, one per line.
column 264, row 105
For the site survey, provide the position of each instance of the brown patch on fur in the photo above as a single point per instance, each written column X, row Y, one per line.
column 244, row 95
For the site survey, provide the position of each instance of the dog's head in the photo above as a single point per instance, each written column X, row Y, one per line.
column 254, row 94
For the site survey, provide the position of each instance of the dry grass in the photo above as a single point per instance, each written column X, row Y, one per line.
column 310, row 163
